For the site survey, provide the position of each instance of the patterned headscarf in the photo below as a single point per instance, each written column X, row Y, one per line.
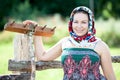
column 91, row 30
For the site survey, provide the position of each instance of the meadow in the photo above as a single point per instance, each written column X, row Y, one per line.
column 7, row 51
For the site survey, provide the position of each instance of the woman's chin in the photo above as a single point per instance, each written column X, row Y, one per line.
column 80, row 34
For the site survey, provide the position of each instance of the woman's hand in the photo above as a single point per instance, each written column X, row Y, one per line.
column 30, row 22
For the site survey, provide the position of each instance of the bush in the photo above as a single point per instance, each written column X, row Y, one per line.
column 6, row 37
column 24, row 11
column 112, row 38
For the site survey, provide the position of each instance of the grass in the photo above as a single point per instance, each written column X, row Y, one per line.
column 6, row 53
column 6, row 46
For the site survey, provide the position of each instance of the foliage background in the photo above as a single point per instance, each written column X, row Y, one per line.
column 30, row 9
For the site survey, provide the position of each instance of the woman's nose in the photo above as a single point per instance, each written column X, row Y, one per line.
column 79, row 25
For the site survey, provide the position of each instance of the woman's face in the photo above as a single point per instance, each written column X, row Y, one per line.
column 80, row 23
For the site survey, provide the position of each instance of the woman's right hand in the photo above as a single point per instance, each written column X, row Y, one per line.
column 30, row 22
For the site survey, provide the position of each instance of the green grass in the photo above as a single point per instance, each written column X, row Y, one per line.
column 116, row 52
column 6, row 53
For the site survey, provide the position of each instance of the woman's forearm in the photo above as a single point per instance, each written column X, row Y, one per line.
column 39, row 48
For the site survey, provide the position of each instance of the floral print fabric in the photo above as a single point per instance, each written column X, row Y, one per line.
column 83, row 69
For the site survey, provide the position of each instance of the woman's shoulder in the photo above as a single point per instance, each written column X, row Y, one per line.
column 101, row 43
column 101, row 47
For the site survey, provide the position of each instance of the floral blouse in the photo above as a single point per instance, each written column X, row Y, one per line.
column 81, row 64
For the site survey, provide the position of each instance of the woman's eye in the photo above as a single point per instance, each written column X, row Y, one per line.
column 75, row 22
column 84, row 22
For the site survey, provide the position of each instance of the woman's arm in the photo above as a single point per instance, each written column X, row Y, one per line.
column 40, row 52
column 106, row 61
column 48, row 55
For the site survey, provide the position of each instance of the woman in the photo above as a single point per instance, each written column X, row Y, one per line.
column 81, row 53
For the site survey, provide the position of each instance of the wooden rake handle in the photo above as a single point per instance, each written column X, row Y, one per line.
column 21, row 28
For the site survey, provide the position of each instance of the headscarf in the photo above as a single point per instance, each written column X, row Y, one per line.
column 91, row 30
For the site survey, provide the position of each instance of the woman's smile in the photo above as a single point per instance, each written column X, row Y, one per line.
column 79, row 30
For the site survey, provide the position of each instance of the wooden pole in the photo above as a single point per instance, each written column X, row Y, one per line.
column 91, row 4
column 31, row 51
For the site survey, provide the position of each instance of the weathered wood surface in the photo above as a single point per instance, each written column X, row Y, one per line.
column 42, row 65
column 21, row 47
column 21, row 28
column 19, row 66
column 26, row 65
column 23, row 76
column 31, row 52
column 116, row 59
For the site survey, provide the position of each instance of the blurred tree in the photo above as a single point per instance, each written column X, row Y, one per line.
column 23, row 11
column 54, row 6
column 5, row 9
column 98, row 7
column 115, row 11
column 29, row 9
column 91, row 4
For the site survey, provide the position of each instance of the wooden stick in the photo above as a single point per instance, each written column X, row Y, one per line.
column 42, row 65
column 21, row 28
column 22, row 76
column 26, row 65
